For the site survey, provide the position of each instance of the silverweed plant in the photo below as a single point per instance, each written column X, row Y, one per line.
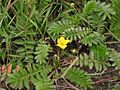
column 59, row 44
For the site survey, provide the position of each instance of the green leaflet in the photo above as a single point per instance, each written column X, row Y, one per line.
column 69, row 29
column 25, row 51
column 41, row 52
column 79, row 77
column 98, row 58
column 116, row 87
column 115, row 58
column 93, row 38
column 43, row 84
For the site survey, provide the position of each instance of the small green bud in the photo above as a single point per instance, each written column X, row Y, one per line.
column 55, row 55
column 74, row 51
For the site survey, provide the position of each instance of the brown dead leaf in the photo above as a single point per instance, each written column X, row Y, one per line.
column 3, row 69
column 17, row 68
column 9, row 68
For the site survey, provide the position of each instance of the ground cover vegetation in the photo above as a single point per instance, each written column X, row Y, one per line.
column 60, row 44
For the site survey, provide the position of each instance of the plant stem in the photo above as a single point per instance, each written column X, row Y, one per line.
column 112, row 42
column 58, row 54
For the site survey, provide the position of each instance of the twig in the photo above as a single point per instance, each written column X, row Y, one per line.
column 62, row 87
column 103, row 72
column 70, row 66
column 113, row 34
column 8, row 5
column 103, row 80
column 7, row 86
column 109, row 79
column 51, row 74
column 55, row 80
column 112, row 42
column 107, row 33
column 70, row 84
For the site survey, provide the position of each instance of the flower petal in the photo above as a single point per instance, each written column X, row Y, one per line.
column 62, row 46
column 61, row 39
column 66, row 41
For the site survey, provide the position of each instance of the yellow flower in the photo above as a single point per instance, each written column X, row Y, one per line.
column 62, row 42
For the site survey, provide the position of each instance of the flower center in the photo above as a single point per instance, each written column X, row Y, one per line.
column 62, row 43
